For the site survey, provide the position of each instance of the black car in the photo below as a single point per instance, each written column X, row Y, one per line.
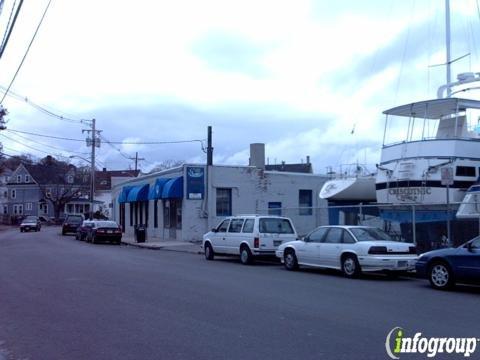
column 30, row 223
column 445, row 267
column 71, row 224
column 104, row 231
column 84, row 229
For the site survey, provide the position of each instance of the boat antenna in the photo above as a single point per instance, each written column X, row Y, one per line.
column 447, row 42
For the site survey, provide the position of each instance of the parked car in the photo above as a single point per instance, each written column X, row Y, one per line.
column 71, row 223
column 45, row 220
column 446, row 267
column 352, row 249
column 30, row 223
column 248, row 236
column 102, row 231
column 84, row 229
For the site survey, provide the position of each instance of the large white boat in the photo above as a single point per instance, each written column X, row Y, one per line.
column 439, row 153
column 361, row 188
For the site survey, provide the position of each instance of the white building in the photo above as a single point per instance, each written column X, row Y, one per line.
column 185, row 202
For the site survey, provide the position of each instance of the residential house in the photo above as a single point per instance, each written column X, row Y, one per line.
column 47, row 189
column 105, row 180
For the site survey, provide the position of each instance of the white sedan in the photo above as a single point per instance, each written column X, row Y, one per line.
column 352, row 249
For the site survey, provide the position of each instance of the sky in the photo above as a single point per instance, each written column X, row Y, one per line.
column 305, row 77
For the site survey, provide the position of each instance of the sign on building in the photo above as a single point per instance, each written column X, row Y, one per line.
column 195, row 182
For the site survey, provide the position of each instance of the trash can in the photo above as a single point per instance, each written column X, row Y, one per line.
column 140, row 233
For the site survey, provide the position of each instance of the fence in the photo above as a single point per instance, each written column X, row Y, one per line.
column 428, row 226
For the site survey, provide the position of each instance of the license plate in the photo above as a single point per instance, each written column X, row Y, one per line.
column 402, row 263
column 277, row 242
column 110, row 231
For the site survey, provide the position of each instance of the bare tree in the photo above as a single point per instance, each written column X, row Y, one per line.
column 167, row 164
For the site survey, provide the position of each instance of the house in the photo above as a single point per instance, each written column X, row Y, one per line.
column 54, row 189
column 46, row 189
column 4, row 179
column 104, row 181
column 185, row 202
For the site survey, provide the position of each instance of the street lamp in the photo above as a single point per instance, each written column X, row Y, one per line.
column 92, row 182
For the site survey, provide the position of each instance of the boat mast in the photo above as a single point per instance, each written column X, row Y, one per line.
column 447, row 40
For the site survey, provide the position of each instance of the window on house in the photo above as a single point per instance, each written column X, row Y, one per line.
column 28, row 206
column 305, row 202
column 19, row 178
column 465, row 171
column 224, row 202
column 27, row 178
column 70, row 179
column 5, row 194
column 13, row 194
column 18, row 209
column 275, row 208
column 5, row 209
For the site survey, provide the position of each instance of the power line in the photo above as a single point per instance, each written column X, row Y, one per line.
column 10, row 29
column 41, row 108
column 114, row 142
column 26, row 52
column 28, row 146
column 46, row 136
column 43, row 144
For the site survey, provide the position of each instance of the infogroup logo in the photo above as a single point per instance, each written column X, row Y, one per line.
column 397, row 344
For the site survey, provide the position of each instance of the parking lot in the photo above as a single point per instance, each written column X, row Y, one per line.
column 66, row 299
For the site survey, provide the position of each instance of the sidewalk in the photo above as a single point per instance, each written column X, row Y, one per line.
column 193, row 247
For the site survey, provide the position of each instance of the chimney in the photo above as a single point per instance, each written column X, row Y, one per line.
column 308, row 159
column 257, row 155
column 104, row 169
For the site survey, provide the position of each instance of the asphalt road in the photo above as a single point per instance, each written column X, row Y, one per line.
column 64, row 299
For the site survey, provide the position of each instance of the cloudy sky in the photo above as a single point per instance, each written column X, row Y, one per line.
column 299, row 76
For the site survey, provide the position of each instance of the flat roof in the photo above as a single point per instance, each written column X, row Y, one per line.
column 434, row 109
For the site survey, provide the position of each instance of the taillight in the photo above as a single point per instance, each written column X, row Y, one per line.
column 100, row 231
column 375, row 250
column 412, row 250
column 256, row 242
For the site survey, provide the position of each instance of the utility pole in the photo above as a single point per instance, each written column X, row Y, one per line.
column 93, row 142
column 137, row 159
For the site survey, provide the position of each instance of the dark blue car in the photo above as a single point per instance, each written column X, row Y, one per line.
column 445, row 267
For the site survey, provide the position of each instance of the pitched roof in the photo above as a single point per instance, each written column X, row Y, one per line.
column 53, row 174
column 103, row 179
column 298, row 168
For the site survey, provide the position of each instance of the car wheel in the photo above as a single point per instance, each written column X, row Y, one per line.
column 209, row 254
column 21, row 230
column 440, row 276
column 290, row 260
column 350, row 266
column 246, row 257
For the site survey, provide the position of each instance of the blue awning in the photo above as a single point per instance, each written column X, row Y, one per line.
column 156, row 191
column 138, row 193
column 124, row 194
column 173, row 188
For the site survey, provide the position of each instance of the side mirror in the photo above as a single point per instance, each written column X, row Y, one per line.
column 306, row 239
column 470, row 247
column 214, row 230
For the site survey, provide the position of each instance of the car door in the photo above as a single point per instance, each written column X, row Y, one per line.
column 331, row 247
column 234, row 236
column 308, row 249
column 219, row 238
column 467, row 262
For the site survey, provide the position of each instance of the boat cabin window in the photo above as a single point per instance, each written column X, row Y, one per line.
column 465, row 171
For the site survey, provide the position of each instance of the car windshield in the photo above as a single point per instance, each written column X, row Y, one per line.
column 74, row 219
column 275, row 226
column 370, row 234
column 107, row 224
column 30, row 218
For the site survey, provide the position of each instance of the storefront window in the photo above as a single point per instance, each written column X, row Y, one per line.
column 224, row 202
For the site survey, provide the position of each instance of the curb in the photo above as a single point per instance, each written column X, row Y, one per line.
column 165, row 247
